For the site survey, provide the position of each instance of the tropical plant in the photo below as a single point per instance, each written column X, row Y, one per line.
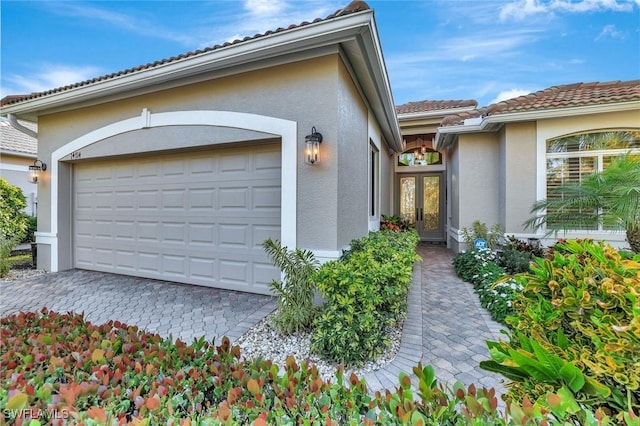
column 479, row 230
column 576, row 329
column 607, row 198
column 296, row 291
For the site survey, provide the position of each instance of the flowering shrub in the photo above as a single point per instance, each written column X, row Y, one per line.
column 480, row 268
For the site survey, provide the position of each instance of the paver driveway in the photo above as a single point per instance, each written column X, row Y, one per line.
column 445, row 326
column 184, row 311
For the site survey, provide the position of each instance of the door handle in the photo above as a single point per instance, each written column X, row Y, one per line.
column 417, row 213
column 421, row 214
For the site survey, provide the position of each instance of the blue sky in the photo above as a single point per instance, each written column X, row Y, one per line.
column 434, row 49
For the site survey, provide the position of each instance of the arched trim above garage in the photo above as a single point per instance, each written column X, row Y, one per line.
column 286, row 130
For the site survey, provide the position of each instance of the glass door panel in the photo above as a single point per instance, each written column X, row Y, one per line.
column 431, row 203
column 408, row 198
column 422, row 201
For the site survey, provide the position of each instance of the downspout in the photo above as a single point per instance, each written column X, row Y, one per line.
column 19, row 127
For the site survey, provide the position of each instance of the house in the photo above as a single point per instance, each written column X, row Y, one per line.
column 504, row 157
column 181, row 168
column 17, row 152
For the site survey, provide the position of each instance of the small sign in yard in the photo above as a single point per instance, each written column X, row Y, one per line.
column 480, row 243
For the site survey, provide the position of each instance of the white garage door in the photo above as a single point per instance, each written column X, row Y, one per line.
column 197, row 217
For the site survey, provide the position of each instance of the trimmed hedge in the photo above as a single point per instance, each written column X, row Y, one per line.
column 365, row 291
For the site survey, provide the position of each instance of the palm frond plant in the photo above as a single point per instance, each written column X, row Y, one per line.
column 297, row 289
column 610, row 198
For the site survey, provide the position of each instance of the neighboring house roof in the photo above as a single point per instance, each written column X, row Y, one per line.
column 429, row 106
column 557, row 97
column 15, row 142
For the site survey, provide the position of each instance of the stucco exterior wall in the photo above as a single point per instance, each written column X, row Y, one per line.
column 353, row 150
column 518, row 175
column 453, row 193
column 478, row 179
column 317, row 92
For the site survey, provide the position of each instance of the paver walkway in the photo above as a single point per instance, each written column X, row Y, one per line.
column 180, row 310
column 445, row 326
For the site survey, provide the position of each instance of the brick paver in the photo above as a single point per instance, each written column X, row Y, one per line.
column 445, row 326
column 167, row 308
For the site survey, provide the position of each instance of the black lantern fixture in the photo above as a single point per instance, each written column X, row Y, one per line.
column 312, row 147
column 35, row 169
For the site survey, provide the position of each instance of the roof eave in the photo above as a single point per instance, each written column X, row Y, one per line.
column 408, row 116
column 447, row 134
column 492, row 122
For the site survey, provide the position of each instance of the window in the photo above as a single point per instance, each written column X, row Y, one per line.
column 571, row 158
column 373, row 179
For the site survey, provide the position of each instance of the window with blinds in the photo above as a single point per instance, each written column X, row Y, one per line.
column 571, row 158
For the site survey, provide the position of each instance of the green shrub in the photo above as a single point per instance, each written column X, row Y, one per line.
column 496, row 294
column 13, row 221
column 32, row 227
column 6, row 246
column 479, row 230
column 365, row 291
column 576, row 329
column 296, row 291
column 514, row 261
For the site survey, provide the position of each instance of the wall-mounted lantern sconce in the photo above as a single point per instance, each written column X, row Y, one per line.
column 312, row 147
column 35, row 169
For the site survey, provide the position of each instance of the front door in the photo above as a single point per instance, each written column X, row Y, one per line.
column 422, row 201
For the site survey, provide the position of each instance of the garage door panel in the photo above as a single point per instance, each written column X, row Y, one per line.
column 198, row 218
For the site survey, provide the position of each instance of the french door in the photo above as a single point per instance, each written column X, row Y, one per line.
column 422, row 201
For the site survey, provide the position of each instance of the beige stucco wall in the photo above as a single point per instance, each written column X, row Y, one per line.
column 478, row 173
column 517, row 175
column 317, row 92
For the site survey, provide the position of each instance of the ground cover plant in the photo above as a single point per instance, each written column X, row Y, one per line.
column 576, row 330
column 60, row 369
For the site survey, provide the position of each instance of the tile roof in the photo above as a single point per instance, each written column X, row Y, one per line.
column 12, row 140
column 556, row 97
column 353, row 7
column 426, row 106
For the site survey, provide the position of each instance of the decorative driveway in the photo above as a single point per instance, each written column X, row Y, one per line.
column 180, row 310
column 445, row 326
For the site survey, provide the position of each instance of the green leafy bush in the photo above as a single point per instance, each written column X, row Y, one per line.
column 496, row 293
column 516, row 255
column 296, row 291
column 479, row 230
column 116, row 374
column 365, row 291
column 32, row 227
column 13, row 221
column 576, row 329
column 6, row 246
column 395, row 223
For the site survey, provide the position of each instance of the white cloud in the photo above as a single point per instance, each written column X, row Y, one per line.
column 509, row 94
column 49, row 76
column 265, row 8
column 610, row 31
column 521, row 9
